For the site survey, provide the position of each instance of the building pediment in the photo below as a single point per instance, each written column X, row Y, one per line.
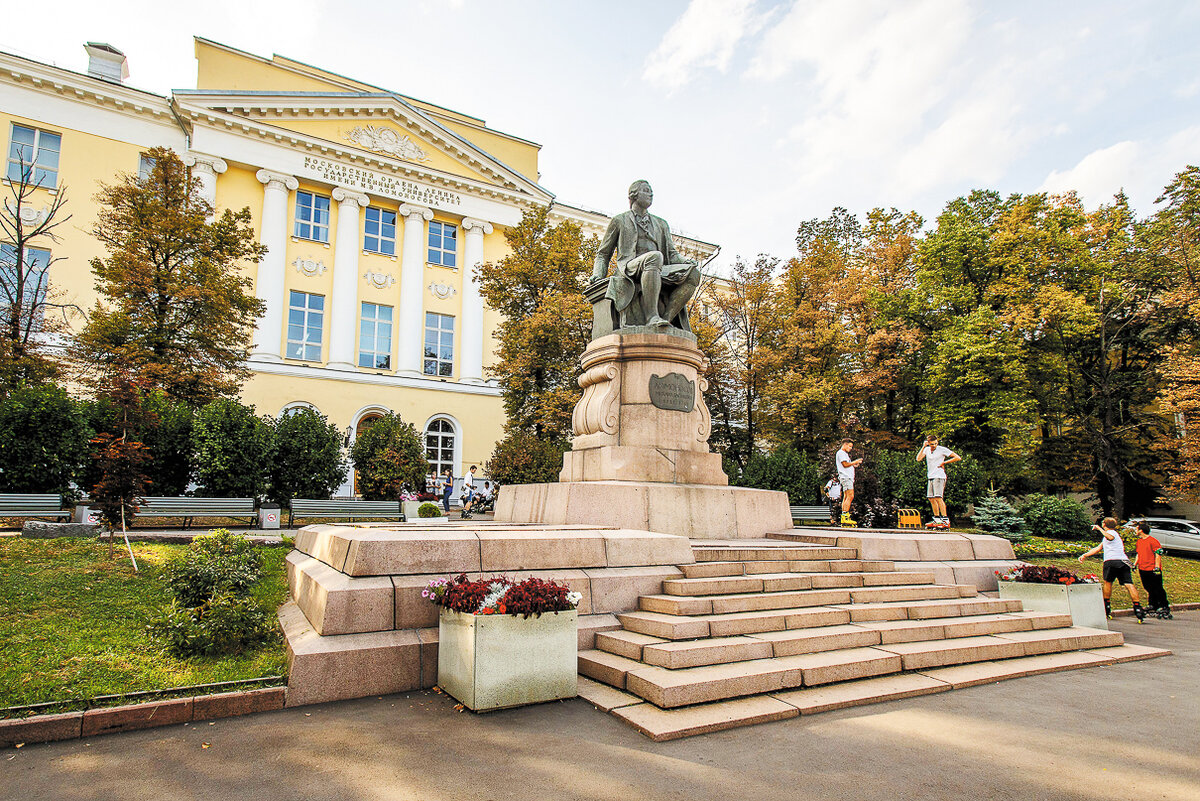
column 381, row 124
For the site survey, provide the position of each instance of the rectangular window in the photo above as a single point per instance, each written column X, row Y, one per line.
column 312, row 216
column 439, row 344
column 379, row 231
column 34, row 153
column 145, row 167
column 34, row 283
column 443, row 244
column 375, row 337
column 306, row 319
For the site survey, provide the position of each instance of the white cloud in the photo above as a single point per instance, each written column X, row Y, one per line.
column 705, row 35
column 1140, row 168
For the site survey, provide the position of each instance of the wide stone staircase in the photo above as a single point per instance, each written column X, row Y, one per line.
column 765, row 630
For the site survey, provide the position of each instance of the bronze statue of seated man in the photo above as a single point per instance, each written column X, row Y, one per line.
column 652, row 283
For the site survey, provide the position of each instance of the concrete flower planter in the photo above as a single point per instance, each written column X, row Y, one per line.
column 499, row 661
column 1083, row 602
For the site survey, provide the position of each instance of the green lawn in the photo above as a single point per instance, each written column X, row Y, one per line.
column 1181, row 577
column 73, row 623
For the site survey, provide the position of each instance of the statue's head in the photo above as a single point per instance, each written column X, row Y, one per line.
column 637, row 187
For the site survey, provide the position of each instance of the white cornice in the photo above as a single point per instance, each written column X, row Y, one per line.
column 432, row 385
column 284, row 105
column 245, row 126
column 83, row 88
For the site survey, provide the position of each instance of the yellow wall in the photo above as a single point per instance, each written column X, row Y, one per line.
column 520, row 156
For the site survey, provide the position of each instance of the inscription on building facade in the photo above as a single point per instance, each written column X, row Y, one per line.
column 673, row 392
column 374, row 183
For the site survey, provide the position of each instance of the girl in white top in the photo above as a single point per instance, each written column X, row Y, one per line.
column 1116, row 566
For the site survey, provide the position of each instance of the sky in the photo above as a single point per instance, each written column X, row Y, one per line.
column 748, row 116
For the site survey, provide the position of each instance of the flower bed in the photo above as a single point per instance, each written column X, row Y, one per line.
column 500, row 596
column 1035, row 547
column 1045, row 574
column 503, row 643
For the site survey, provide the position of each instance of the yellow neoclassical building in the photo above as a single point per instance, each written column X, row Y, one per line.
column 374, row 207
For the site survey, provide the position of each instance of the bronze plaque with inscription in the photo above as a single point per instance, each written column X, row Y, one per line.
column 673, row 391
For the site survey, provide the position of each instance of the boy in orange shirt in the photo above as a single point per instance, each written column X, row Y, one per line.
column 1149, row 565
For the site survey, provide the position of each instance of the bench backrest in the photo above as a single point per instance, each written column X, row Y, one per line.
column 195, row 506
column 343, row 506
column 22, row 502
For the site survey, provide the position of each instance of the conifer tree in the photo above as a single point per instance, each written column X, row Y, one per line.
column 996, row 515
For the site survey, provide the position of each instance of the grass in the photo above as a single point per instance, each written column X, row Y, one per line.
column 73, row 622
column 1181, row 577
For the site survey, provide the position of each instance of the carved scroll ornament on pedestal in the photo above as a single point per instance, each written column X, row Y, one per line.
column 600, row 407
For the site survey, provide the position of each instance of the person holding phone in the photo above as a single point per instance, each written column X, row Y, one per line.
column 936, row 458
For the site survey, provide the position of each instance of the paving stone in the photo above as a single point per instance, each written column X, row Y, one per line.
column 814, row 640
column 41, row 729
column 607, row 668
column 1075, row 638
column 959, row 676
column 675, row 604
column 228, row 705
column 826, row 698
column 670, row 724
column 1129, row 652
column 712, row 651
column 628, row 644
column 955, row 651
column 604, row 697
column 136, row 716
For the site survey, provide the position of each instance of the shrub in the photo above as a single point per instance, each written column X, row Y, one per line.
column 308, row 462
column 522, row 458
column 1056, row 518
column 389, row 458
column 429, row 510
column 43, row 440
column 995, row 515
column 234, row 448
column 788, row 470
column 214, row 564
column 168, row 437
column 1044, row 574
column 227, row 624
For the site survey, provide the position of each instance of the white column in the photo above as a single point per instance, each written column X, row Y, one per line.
column 411, row 327
column 471, row 327
column 343, row 314
column 205, row 170
column 269, row 285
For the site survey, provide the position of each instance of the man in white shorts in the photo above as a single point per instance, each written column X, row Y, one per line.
column 845, row 474
column 936, row 458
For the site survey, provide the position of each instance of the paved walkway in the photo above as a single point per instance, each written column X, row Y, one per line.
column 1126, row 732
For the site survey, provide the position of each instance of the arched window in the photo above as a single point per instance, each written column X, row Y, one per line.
column 439, row 445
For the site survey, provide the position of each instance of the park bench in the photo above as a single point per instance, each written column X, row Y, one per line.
column 806, row 514
column 23, row 505
column 191, row 508
column 349, row 508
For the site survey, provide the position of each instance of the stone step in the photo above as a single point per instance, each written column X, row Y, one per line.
column 727, row 553
column 747, row 568
column 670, row 724
column 790, row 642
column 681, row 674
column 921, row 610
column 789, row 580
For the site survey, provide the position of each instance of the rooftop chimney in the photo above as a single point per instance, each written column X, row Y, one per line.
column 106, row 62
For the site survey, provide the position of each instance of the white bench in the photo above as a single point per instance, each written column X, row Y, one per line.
column 191, row 508
column 349, row 508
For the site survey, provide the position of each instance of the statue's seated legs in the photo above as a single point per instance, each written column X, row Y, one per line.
column 651, row 285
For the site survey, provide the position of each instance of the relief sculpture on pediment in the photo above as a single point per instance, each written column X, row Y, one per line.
column 386, row 140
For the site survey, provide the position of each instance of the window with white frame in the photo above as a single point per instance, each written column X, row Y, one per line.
column 379, row 231
column 375, row 337
column 34, row 281
column 443, row 244
column 34, row 153
column 306, row 321
column 439, row 446
column 145, row 167
column 439, row 344
column 312, row 216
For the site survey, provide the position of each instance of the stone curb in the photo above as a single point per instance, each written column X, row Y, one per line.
column 106, row 720
column 1174, row 608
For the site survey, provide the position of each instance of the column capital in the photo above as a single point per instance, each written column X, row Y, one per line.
column 409, row 211
column 349, row 196
column 470, row 224
column 213, row 165
column 277, row 180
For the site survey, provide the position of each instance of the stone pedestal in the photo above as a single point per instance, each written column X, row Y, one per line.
column 639, row 457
